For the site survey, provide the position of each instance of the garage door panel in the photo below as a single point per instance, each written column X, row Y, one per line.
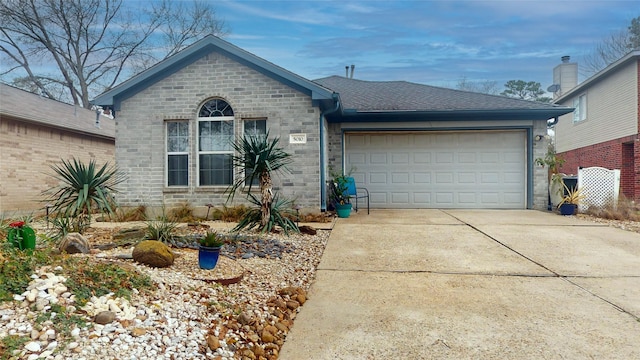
column 444, row 199
column 467, row 157
column 378, row 179
column 378, row 140
column 489, row 178
column 400, row 159
column 400, row 178
column 444, row 157
column 357, row 159
column 421, row 158
column 422, row 198
column 444, row 178
column 378, row 158
column 421, row 178
column 467, row 178
column 446, row 170
column 400, row 198
column 467, row 198
column 378, row 198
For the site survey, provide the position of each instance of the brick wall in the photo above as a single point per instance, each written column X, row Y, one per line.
column 28, row 151
column 614, row 154
column 140, row 131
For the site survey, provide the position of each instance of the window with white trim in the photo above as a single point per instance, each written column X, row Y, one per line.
column 254, row 127
column 215, row 138
column 580, row 105
column 177, row 153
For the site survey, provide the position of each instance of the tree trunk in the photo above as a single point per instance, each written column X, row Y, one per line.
column 267, row 197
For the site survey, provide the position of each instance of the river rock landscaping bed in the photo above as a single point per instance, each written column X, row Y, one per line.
column 188, row 315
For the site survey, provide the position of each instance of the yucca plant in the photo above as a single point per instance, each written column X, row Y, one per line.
column 259, row 158
column 83, row 188
column 280, row 214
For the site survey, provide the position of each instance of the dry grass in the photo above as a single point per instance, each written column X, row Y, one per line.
column 229, row 214
column 133, row 214
column 182, row 213
column 625, row 210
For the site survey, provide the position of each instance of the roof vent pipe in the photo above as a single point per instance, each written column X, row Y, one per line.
column 565, row 59
column 346, row 71
column 352, row 68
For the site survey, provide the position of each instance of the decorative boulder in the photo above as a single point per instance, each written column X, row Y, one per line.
column 153, row 253
column 306, row 229
column 128, row 234
column 74, row 243
column 104, row 317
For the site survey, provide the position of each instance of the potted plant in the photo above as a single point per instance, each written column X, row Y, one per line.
column 340, row 196
column 209, row 250
column 569, row 203
column 553, row 162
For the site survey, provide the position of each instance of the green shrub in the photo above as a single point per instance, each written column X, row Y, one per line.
column 86, row 279
column 16, row 268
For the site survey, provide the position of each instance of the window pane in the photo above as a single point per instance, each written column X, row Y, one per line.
column 177, row 136
column 216, row 169
column 178, row 170
column 215, row 135
column 215, row 107
column 255, row 127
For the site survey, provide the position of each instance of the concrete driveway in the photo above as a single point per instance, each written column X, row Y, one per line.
column 464, row 284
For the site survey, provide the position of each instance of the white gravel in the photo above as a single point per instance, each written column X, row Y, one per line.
column 170, row 323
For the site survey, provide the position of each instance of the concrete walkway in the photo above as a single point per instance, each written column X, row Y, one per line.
column 463, row 284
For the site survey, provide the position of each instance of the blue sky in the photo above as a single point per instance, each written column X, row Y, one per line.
column 429, row 42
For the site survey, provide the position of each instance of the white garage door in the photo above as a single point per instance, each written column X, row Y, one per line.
column 440, row 169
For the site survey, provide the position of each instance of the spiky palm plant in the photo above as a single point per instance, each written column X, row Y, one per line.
column 259, row 158
column 281, row 214
column 83, row 188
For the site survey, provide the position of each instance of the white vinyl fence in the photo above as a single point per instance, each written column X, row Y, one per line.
column 600, row 187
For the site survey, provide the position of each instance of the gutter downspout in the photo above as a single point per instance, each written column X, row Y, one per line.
column 323, row 200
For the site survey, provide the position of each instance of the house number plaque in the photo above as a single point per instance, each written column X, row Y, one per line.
column 297, row 138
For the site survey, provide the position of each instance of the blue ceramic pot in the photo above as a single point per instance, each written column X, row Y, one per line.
column 343, row 211
column 568, row 209
column 208, row 257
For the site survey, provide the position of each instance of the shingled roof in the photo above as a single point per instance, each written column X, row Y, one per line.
column 401, row 96
column 25, row 106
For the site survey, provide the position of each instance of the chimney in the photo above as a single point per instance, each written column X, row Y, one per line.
column 565, row 75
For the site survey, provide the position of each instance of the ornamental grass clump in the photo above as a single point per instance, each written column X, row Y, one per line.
column 212, row 239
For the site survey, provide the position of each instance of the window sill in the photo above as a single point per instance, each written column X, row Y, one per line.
column 175, row 189
column 211, row 189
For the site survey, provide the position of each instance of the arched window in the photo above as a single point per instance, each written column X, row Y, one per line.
column 215, row 138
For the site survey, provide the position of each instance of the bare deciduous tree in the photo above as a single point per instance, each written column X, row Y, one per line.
column 612, row 48
column 485, row 87
column 79, row 48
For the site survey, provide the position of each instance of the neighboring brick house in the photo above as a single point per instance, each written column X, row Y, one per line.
column 412, row 146
column 36, row 133
column 604, row 129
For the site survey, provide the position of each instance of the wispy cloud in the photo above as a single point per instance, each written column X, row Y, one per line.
column 425, row 41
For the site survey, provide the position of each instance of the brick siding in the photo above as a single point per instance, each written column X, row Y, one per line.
column 140, row 131
column 622, row 153
column 28, row 151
